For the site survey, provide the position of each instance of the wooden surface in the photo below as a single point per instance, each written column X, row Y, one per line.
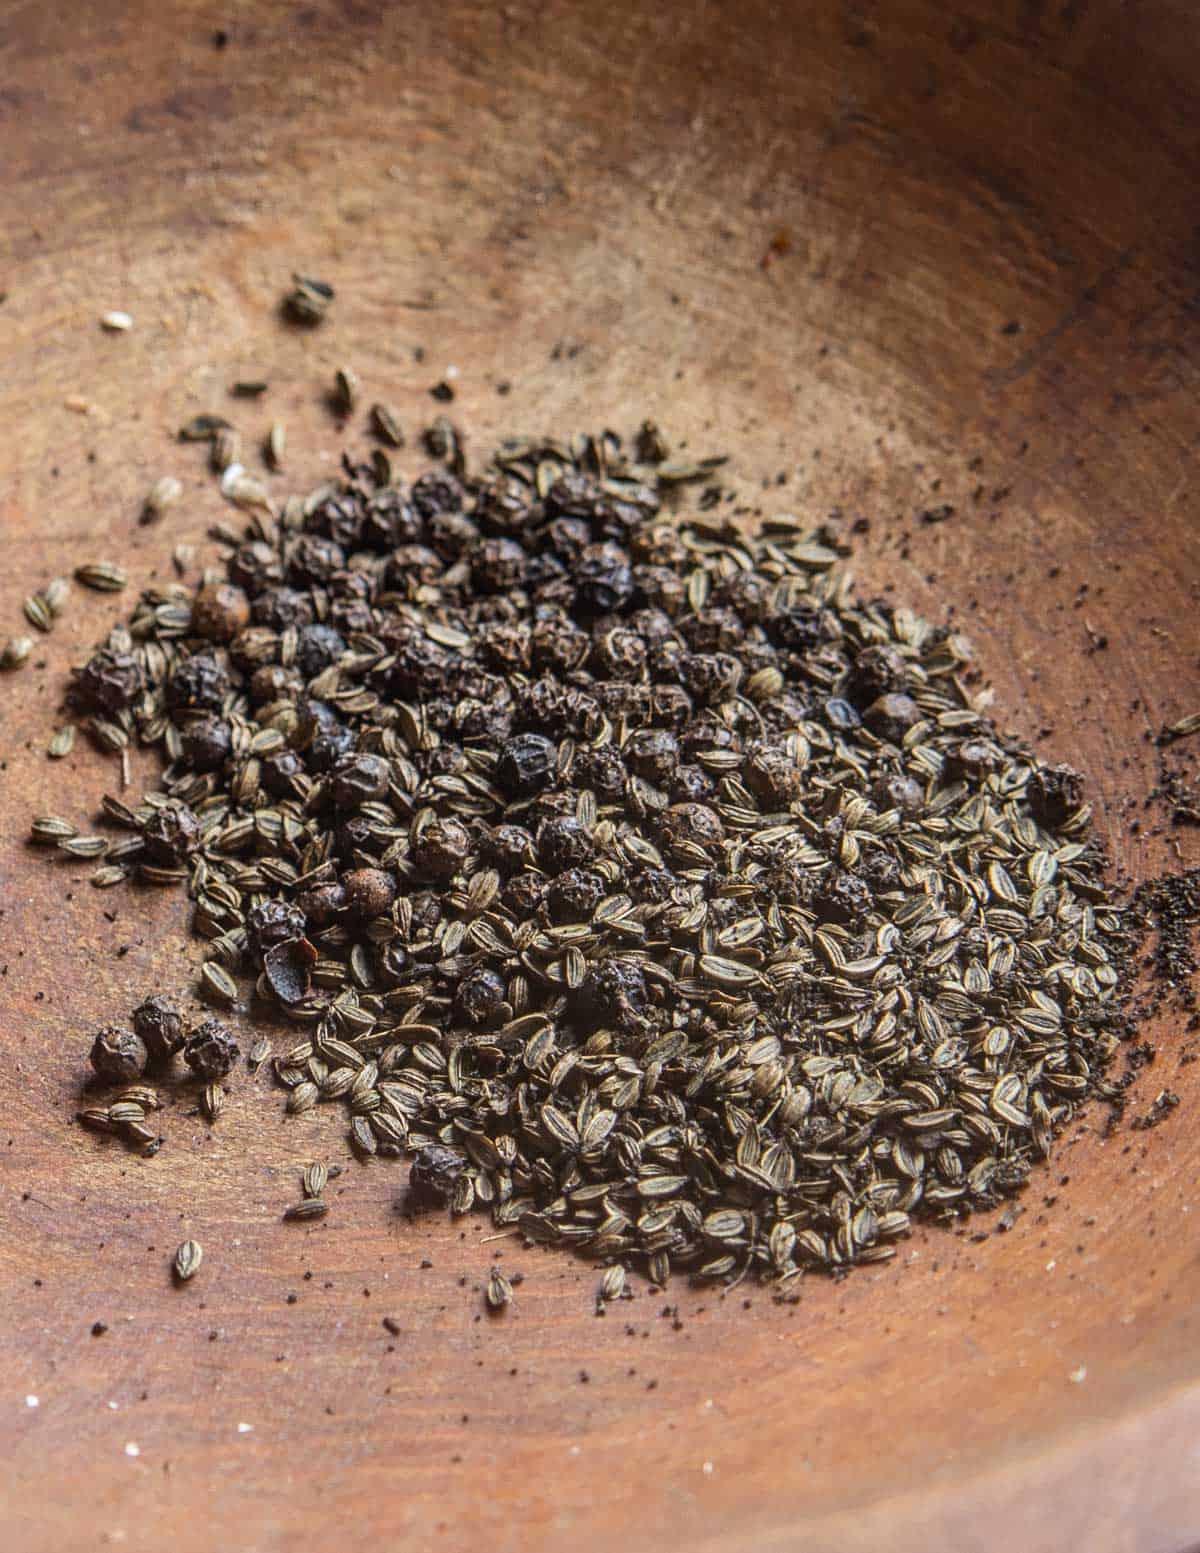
column 578, row 199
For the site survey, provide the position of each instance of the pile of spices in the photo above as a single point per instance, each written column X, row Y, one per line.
column 647, row 886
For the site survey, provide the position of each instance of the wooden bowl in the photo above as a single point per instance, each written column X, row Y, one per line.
column 899, row 255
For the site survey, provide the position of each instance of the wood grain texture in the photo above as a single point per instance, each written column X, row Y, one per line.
column 578, row 199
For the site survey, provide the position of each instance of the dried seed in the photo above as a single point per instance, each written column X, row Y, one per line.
column 276, row 444
column 216, row 984
column 38, row 612
column 345, row 390
column 386, row 426
column 15, row 652
column 308, row 1208
column 103, row 576
column 186, row 1262
column 499, row 1290
column 62, row 743
column 163, row 495
column 202, row 428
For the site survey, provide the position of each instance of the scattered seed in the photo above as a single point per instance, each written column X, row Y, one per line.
column 103, row 576
column 187, row 1260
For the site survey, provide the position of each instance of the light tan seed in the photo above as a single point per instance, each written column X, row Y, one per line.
column 186, row 1263
column 216, row 984
column 102, row 576
column 38, row 612
column 62, row 743
column 15, row 652
column 163, row 494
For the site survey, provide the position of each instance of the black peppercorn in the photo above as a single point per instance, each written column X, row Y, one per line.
column 897, row 792
column 317, row 646
column 108, row 682
column 574, row 895
column 877, row 671
column 441, row 848
column 523, row 894
column 279, row 608
column 1054, row 793
column 206, row 742
column 435, row 1169
column 322, row 904
column 479, row 995
column 497, row 566
column 358, row 778
column 437, row 491
column 118, row 1055
column 313, row 559
column 369, row 891
column 710, row 676
column 219, row 612
column 613, row 989
column 600, row 768
column 603, row 580
column 564, row 842
column 971, row 761
column 274, row 922
column 159, row 1026
column 841, row 897
column 891, row 717
column 692, row 825
column 559, row 645
column 653, row 754
column 691, row 784
column 211, row 1050
column 772, row 775
column 279, row 772
column 712, row 630
column 507, row 847
column 198, row 683
column 171, row 834
column 618, row 654
column 525, row 766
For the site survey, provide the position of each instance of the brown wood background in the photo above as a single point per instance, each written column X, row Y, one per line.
column 577, row 199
